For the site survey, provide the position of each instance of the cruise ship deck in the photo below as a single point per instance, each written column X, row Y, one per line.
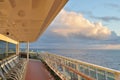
column 24, row 21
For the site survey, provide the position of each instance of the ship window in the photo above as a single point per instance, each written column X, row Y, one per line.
column 6, row 49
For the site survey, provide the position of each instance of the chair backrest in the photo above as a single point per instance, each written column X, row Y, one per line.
column 3, row 69
column 16, row 60
column 7, row 66
column 2, row 75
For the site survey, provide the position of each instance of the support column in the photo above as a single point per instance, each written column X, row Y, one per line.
column 27, row 51
column 17, row 49
column 6, row 52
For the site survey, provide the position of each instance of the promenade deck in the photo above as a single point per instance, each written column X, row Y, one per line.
column 36, row 70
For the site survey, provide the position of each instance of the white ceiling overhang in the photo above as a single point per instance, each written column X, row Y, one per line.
column 26, row 20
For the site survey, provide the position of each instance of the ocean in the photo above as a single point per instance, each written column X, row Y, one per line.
column 106, row 58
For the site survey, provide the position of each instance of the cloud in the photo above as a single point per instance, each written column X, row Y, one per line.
column 109, row 46
column 106, row 18
column 74, row 24
column 113, row 5
column 70, row 30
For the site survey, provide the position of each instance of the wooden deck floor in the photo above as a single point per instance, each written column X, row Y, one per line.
column 37, row 71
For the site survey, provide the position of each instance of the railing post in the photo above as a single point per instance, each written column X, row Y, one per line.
column 117, row 76
column 106, row 75
column 64, row 71
column 56, row 66
column 96, row 72
column 77, row 67
column 64, row 62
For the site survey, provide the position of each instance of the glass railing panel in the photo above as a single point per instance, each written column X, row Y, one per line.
column 81, row 69
column 110, row 76
column 86, row 70
column 101, row 75
column 92, row 72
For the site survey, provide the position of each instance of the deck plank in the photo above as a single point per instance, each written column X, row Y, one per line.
column 37, row 71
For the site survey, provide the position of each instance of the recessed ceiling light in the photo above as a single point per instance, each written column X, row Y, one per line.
column 21, row 13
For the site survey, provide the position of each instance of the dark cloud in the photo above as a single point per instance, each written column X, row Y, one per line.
column 106, row 18
column 52, row 40
column 52, row 37
column 113, row 5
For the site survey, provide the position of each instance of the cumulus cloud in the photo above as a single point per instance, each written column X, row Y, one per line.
column 74, row 24
column 71, row 30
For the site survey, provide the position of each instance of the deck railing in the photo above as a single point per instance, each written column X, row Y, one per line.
column 72, row 69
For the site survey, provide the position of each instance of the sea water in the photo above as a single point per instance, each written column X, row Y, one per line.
column 106, row 58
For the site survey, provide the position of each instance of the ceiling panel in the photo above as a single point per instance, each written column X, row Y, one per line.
column 25, row 20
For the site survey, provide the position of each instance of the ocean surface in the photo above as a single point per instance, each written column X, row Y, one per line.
column 106, row 58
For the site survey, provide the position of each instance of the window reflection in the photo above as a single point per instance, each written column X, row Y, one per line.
column 6, row 49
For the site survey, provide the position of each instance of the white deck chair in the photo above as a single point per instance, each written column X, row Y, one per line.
column 7, row 74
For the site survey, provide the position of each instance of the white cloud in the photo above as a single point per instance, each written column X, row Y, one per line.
column 117, row 46
column 70, row 30
column 105, row 46
column 72, row 23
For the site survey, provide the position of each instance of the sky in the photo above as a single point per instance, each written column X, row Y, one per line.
column 84, row 24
